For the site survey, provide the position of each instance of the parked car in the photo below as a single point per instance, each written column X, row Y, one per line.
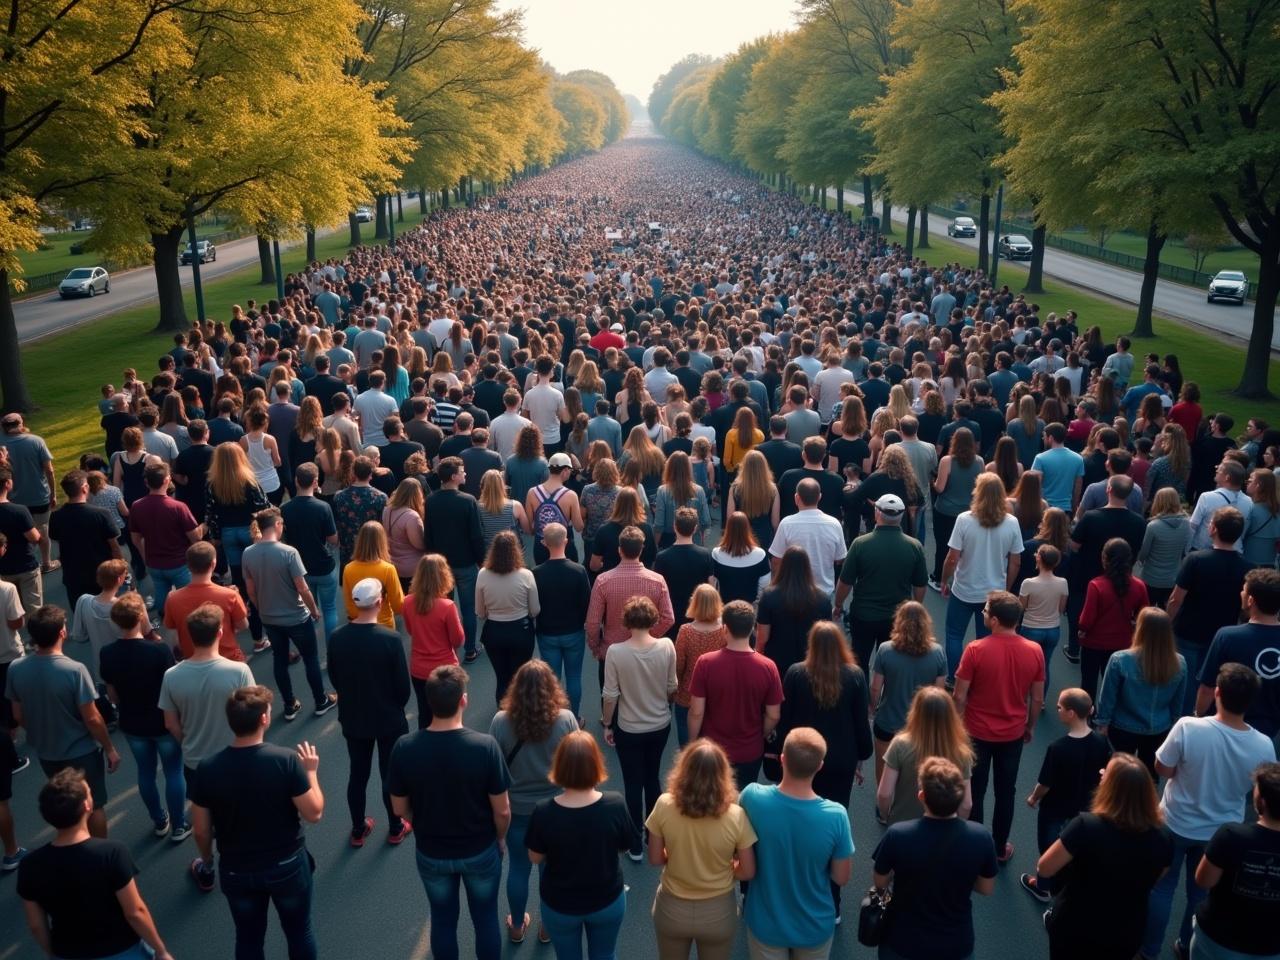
column 85, row 282
column 84, row 223
column 962, row 227
column 1014, row 246
column 206, row 250
column 1229, row 285
column 364, row 215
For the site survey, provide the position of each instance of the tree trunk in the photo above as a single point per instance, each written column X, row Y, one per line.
column 380, row 229
column 311, row 244
column 911, row 231
column 399, row 207
column 13, row 382
column 984, row 229
column 1257, row 362
column 1035, row 270
column 839, row 199
column 824, row 198
column 164, row 258
column 886, row 209
column 1150, row 273
column 924, row 228
column 265, row 260
column 354, row 226
column 422, row 201
column 866, row 196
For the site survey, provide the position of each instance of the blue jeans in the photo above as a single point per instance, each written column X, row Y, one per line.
column 921, row 513
column 682, row 724
column 464, row 582
column 303, row 636
column 1047, row 637
column 1048, row 829
column 958, row 615
column 601, row 927
column 518, row 867
column 481, row 876
column 235, row 540
column 287, row 884
column 566, row 650
column 1160, row 902
column 325, row 589
column 146, row 750
column 163, row 581
column 1194, row 655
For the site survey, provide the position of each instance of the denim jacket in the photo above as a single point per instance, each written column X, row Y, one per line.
column 1129, row 702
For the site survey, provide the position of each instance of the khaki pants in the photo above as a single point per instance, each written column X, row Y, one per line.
column 759, row 951
column 30, row 589
column 680, row 923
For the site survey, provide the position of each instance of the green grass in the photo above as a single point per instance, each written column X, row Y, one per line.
column 1174, row 253
column 58, row 258
column 65, row 372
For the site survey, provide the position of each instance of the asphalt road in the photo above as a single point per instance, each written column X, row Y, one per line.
column 1174, row 300
column 370, row 902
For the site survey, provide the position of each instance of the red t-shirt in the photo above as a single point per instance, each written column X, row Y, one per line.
column 1000, row 670
column 163, row 523
column 737, row 685
column 181, row 602
column 1106, row 622
column 433, row 636
column 1188, row 417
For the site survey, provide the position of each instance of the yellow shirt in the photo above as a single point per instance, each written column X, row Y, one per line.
column 699, row 851
column 385, row 574
column 734, row 452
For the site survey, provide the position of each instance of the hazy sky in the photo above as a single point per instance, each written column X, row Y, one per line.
column 635, row 43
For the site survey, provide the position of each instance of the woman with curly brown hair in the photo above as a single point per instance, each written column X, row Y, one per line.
column 704, row 842
column 527, row 467
column 534, row 717
column 507, row 601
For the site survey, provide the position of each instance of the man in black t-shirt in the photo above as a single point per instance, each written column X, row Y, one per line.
column 460, row 831
column 191, row 469
column 559, row 625
column 310, row 529
column 397, row 449
column 86, row 536
column 683, row 565
column 781, row 454
column 453, row 529
column 478, row 460
column 252, row 796
column 814, row 452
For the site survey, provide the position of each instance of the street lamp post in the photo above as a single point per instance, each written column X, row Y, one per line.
column 195, row 263
column 995, row 253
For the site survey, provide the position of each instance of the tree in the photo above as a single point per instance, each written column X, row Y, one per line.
column 724, row 102
column 584, row 116
column 668, row 85
column 1201, row 243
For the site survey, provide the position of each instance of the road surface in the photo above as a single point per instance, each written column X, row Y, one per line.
column 1173, row 300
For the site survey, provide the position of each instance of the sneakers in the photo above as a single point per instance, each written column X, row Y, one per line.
column 934, row 585
column 1028, row 881
column 358, row 837
column 22, row 764
column 1071, row 657
column 9, row 864
column 203, row 875
column 261, row 646
column 330, row 701
column 396, row 837
column 637, row 856
column 292, row 709
column 162, row 827
column 180, row 832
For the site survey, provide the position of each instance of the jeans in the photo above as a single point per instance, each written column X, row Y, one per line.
column 286, row 884
column 303, row 636
column 325, row 589
column 234, row 542
column 1160, row 902
column 1204, row 948
column 958, row 615
column 601, row 928
column 640, row 756
column 146, row 750
column 566, row 650
column 1004, row 758
column 481, row 875
column 1194, row 655
column 464, row 582
column 682, row 724
column 1047, row 637
column 518, row 867
column 921, row 513
column 1048, row 829
column 139, row 951
column 360, row 753
column 162, row 581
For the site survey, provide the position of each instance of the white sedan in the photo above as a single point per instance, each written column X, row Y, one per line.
column 85, row 282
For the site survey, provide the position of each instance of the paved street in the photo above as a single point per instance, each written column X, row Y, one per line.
column 370, row 903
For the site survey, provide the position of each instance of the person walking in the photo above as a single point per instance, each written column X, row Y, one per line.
column 460, row 832
column 703, row 633
column 575, row 838
column 1110, row 609
column 639, row 682
column 553, row 502
column 371, row 560
column 310, row 529
column 371, row 679
column 790, row 606
column 532, row 719
column 85, row 535
column 559, row 626
column 958, row 473
column 201, row 560
column 434, row 627
column 1163, row 545
column 161, row 529
column 453, row 531
column 253, row 796
column 232, row 498
column 703, row 841
column 820, row 536
column 910, row 660
column 507, row 600
column 933, row 729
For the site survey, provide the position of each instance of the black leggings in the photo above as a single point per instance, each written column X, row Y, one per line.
column 943, row 524
column 640, row 756
column 1141, row 745
column 509, row 644
column 360, row 755
column 1093, row 664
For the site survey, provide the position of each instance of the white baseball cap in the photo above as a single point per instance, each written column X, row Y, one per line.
column 366, row 592
column 891, row 505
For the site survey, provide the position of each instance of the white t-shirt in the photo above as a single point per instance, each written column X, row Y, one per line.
column 984, row 565
column 1042, row 609
column 504, row 431
column 10, row 609
column 820, row 536
column 543, row 403
column 1214, row 763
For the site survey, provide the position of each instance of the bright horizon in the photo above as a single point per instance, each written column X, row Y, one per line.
column 634, row 50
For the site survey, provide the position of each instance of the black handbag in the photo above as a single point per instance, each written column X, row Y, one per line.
column 873, row 917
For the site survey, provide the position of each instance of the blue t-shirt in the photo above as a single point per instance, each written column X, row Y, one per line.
column 789, row 904
column 1060, row 467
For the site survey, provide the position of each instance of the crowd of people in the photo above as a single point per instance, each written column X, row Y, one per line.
column 642, row 411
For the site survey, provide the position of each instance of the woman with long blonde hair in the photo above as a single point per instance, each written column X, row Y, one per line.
column 702, row 633
column 232, row 497
column 958, row 473
column 305, row 436
column 641, row 450
column 434, row 626
column 1027, row 431
column 371, row 559
column 910, row 660
column 498, row 512
column 742, row 437
column 402, row 518
column 899, row 403
column 881, row 423
column 1163, row 545
column 1143, row 689
column 755, row 494
column 933, row 729
column 590, row 386
column 1172, row 464
column 329, row 460
column 704, row 842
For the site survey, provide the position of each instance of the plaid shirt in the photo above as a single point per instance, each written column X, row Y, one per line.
column 610, row 594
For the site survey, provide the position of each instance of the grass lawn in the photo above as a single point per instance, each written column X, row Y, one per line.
column 1174, row 253
column 58, row 258
column 65, row 382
